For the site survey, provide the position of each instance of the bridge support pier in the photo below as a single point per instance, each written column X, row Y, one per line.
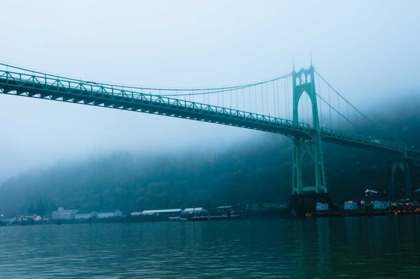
column 403, row 165
column 313, row 148
column 306, row 203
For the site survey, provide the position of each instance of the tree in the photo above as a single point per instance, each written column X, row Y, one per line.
column 53, row 207
column 31, row 209
column 40, row 210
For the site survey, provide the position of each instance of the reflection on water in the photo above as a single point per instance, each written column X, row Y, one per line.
column 356, row 247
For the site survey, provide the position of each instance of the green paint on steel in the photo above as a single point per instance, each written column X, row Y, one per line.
column 307, row 138
column 304, row 83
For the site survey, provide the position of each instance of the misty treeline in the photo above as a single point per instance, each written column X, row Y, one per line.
column 254, row 171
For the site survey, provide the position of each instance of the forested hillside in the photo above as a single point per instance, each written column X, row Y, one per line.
column 251, row 172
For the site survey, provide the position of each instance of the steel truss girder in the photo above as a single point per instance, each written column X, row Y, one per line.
column 156, row 105
column 95, row 94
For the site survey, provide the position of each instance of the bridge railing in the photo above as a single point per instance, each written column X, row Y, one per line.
column 367, row 140
column 50, row 83
column 105, row 92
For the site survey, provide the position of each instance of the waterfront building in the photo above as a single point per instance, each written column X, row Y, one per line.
column 62, row 214
column 34, row 217
column 224, row 209
column 85, row 215
column 194, row 210
column 168, row 212
column 350, row 205
column 322, row 206
column 110, row 213
column 135, row 214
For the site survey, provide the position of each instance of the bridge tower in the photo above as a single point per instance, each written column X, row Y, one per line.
column 304, row 83
column 402, row 164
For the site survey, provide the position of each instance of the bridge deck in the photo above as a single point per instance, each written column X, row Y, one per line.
column 91, row 93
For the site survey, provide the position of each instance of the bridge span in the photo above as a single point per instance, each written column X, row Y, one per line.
column 306, row 135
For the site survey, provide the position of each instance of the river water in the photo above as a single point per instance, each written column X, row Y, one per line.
column 353, row 247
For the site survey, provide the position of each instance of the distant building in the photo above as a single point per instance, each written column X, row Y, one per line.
column 34, row 217
column 322, row 206
column 62, row 214
column 224, row 209
column 378, row 205
column 267, row 206
column 85, row 215
column 110, row 213
column 350, row 205
column 136, row 213
column 194, row 210
column 168, row 212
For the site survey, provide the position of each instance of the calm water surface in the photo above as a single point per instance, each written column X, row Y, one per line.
column 357, row 247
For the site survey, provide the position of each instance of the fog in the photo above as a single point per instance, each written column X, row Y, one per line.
column 368, row 50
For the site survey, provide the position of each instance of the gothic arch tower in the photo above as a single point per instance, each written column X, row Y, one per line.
column 404, row 165
column 304, row 83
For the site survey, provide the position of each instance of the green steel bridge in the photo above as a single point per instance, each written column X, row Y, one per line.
column 275, row 106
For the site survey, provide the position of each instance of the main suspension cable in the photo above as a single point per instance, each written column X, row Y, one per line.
column 364, row 116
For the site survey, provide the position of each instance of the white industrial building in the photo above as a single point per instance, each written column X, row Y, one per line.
column 136, row 213
column 171, row 212
column 224, row 208
column 85, row 215
column 62, row 214
column 194, row 210
column 112, row 213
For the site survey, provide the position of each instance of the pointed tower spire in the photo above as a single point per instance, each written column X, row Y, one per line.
column 293, row 61
column 310, row 54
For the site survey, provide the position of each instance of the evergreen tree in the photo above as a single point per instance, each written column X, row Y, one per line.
column 53, row 206
column 40, row 210
column 31, row 209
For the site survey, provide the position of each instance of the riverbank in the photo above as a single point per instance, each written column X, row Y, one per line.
column 279, row 215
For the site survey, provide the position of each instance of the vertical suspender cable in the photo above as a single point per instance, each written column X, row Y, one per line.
column 274, row 100
column 339, row 117
column 249, row 92
column 320, row 103
column 285, row 100
column 256, row 106
column 237, row 107
column 329, row 102
column 231, row 97
column 268, row 96
column 243, row 97
column 262, row 97
column 223, row 99
column 276, row 97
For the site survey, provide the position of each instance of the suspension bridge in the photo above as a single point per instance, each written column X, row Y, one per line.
column 301, row 105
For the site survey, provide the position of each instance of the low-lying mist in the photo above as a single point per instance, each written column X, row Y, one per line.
column 248, row 170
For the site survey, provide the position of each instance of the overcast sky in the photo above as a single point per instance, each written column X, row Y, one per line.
column 366, row 49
